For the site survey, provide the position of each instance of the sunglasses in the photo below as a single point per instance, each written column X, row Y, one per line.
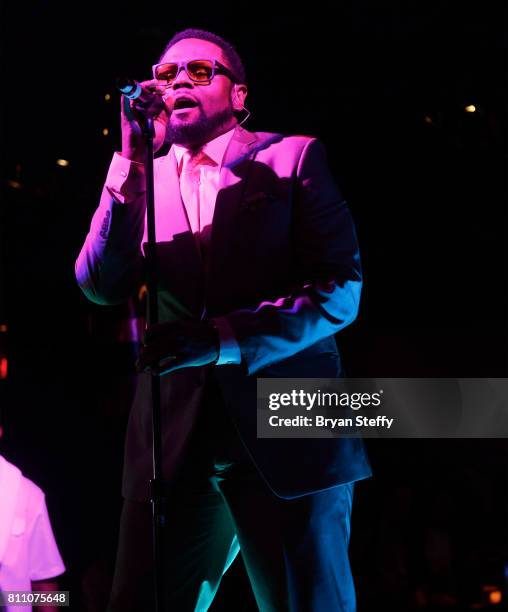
column 198, row 71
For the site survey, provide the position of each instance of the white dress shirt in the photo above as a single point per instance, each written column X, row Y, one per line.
column 28, row 550
column 200, row 220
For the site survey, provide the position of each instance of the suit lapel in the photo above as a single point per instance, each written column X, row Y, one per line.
column 180, row 265
column 235, row 163
column 232, row 185
column 171, row 215
column 173, row 225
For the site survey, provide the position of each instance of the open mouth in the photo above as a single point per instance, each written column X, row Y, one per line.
column 186, row 103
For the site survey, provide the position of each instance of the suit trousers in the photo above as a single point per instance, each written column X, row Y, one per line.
column 295, row 550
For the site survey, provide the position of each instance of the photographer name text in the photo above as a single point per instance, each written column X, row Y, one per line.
column 330, row 423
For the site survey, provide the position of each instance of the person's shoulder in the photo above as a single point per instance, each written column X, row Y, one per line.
column 296, row 140
column 33, row 489
column 14, row 474
column 278, row 143
column 34, row 494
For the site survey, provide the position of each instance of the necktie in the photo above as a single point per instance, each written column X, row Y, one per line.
column 190, row 180
column 193, row 196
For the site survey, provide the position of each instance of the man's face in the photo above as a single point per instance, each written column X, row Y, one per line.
column 212, row 114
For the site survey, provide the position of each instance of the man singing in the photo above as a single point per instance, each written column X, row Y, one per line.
column 258, row 269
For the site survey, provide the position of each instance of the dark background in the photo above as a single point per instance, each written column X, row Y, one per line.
column 385, row 86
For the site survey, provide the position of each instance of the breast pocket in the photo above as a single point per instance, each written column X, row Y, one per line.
column 265, row 219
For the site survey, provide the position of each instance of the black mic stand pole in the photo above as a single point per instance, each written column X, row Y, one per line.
column 156, row 484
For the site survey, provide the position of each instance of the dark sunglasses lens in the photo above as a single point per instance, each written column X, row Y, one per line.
column 166, row 72
column 200, row 70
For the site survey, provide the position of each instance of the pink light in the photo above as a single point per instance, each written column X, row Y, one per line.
column 3, row 368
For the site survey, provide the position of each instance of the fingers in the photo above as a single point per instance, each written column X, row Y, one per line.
column 127, row 110
column 166, row 365
column 155, row 366
column 158, row 329
column 177, row 344
column 155, row 86
column 155, row 354
column 162, row 342
column 149, row 103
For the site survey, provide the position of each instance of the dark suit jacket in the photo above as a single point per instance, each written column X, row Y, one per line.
column 283, row 268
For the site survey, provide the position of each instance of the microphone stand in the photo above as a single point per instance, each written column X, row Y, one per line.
column 156, row 483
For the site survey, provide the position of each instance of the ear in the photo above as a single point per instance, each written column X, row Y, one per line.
column 238, row 95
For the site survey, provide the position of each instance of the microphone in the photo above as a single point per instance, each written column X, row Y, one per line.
column 132, row 89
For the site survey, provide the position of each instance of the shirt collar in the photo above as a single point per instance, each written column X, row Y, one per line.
column 215, row 149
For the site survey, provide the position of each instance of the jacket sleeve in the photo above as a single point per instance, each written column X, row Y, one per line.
column 326, row 256
column 109, row 267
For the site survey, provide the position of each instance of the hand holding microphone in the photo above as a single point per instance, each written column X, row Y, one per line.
column 141, row 100
column 146, row 95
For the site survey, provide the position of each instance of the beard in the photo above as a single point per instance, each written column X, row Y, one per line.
column 199, row 131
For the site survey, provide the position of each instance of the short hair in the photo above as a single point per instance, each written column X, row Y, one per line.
column 229, row 51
